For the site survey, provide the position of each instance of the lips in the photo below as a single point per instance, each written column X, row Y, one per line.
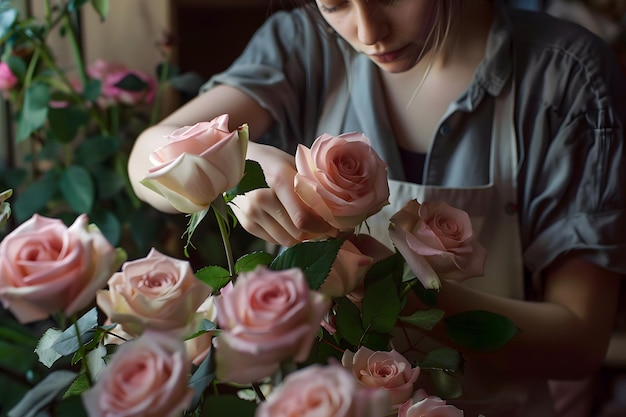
column 388, row 56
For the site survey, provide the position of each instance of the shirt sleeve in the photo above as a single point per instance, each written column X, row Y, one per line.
column 574, row 170
column 284, row 68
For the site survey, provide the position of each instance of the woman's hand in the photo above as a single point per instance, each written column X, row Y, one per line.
column 276, row 214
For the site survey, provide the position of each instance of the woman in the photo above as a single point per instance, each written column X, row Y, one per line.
column 512, row 116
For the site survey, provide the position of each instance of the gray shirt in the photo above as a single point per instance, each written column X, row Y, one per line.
column 570, row 107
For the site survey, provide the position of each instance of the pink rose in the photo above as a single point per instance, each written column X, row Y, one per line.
column 7, row 79
column 200, row 163
column 156, row 292
column 428, row 406
column 342, row 179
column 147, row 377
column 109, row 74
column 347, row 272
column 317, row 391
column 46, row 267
column 437, row 241
column 268, row 317
column 387, row 370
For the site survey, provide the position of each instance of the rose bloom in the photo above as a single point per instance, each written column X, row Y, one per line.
column 147, row 377
column 7, row 79
column 342, row 179
column 156, row 292
column 46, row 267
column 317, row 391
column 380, row 369
column 200, row 163
column 437, row 241
column 347, row 271
column 268, row 317
column 110, row 74
column 423, row 405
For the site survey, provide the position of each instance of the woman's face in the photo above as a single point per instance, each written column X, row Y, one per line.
column 394, row 34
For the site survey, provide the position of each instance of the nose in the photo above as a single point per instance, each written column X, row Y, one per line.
column 371, row 26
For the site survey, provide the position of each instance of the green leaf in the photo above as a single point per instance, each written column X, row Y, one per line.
column 214, row 276
column 34, row 112
column 34, row 198
column 250, row 261
column 108, row 182
column 80, row 385
column 382, row 304
column 7, row 19
column 446, row 386
column 443, row 359
column 314, row 258
column 480, row 330
column 74, row 5
column 253, row 178
column 132, row 82
column 194, row 221
column 92, row 90
column 66, row 122
column 44, row 351
column 101, row 7
column 424, row 319
column 78, row 189
column 348, row 320
column 202, row 378
column 227, row 406
column 97, row 149
column 108, row 224
column 43, row 394
column 17, row 65
column 68, row 342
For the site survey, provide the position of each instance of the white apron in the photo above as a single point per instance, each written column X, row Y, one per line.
column 493, row 211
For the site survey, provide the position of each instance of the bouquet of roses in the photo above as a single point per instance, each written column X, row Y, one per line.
column 310, row 331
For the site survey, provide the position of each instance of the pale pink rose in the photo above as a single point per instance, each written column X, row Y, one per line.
column 147, row 377
column 347, row 271
column 7, row 79
column 199, row 346
column 423, row 405
column 200, row 163
column 156, row 292
column 437, row 241
column 342, row 179
column 46, row 267
column 324, row 391
column 268, row 317
column 109, row 74
column 380, row 369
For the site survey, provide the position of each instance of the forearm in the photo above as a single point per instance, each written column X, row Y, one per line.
column 563, row 337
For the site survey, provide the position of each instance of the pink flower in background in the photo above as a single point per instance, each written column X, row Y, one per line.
column 423, row 405
column 342, row 179
column 7, row 79
column 380, row 369
column 111, row 74
column 46, row 267
column 437, row 241
column 147, row 377
column 156, row 292
column 200, row 163
column 329, row 391
column 268, row 317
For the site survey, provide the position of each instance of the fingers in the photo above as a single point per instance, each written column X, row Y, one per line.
column 263, row 214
